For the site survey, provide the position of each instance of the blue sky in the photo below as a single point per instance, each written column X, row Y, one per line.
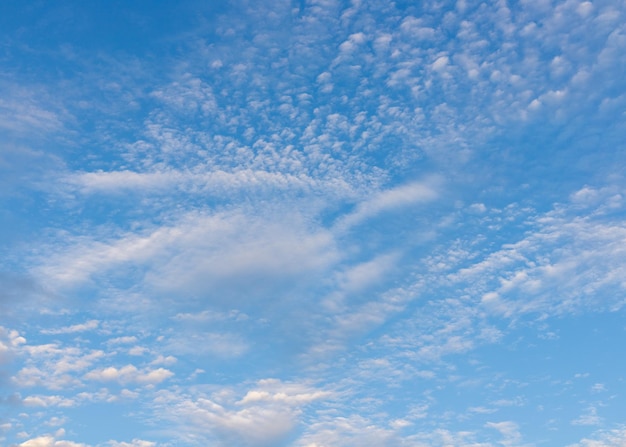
column 313, row 223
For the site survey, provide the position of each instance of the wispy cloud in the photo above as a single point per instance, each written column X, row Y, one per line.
column 82, row 327
column 390, row 200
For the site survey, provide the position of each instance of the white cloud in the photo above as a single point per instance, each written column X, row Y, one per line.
column 129, row 374
column 604, row 438
column 389, row 200
column 56, row 421
column 509, row 431
column 138, row 350
column 164, row 360
column 54, row 366
column 574, row 253
column 50, row 441
column 122, row 340
column 264, row 416
column 213, row 182
column 233, row 254
column 441, row 63
column 277, row 392
column 355, row 320
column 133, row 443
column 10, row 343
column 22, row 113
column 48, row 401
column 590, row 417
column 363, row 275
column 82, row 327
column 42, row 441
column 348, row 431
column 210, row 316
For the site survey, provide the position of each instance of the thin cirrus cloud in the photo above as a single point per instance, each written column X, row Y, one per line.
column 235, row 243
column 389, row 201
column 82, row 327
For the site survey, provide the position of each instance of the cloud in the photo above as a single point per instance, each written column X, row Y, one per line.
column 264, row 416
column 509, row 431
column 590, row 417
column 210, row 316
column 48, row 401
column 348, row 431
column 219, row 261
column 203, row 181
column 83, row 327
column 390, row 200
column 356, row 320
column 122, row 340
column 162, row 360
column 213, row 246
column 23, row 114
column 53, row 365
column 366, row 274
column 273, row 391
column 133, row 443
column 54, row 441
column 10, row 342
column 573, row 252
column 42, row 441
column 604, row 438
column 129, row 374
column 50, row 441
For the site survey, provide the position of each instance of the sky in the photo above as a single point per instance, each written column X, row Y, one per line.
column 313, row 223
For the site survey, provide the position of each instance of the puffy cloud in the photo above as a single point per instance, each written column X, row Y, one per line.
column 48, row 401
column 277, row 392
column 50, row 441
column 564, row 263
column 604, row 438
column 54, row 441
column 349, row 431
column 509, row 431
column 10, row 341
column 133, row 443
column 42, row 441
column 130, row 374
column 264, row 416
column 54, row 366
